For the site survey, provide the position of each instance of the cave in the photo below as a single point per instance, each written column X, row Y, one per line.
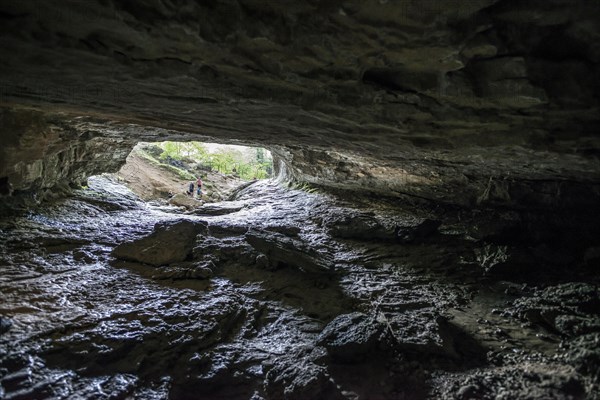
column 430, row 228
column 191, row 174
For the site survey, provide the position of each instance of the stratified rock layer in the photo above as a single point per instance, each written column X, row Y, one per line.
column 485, row 102
column 246, row 315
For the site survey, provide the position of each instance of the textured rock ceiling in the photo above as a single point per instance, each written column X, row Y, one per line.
column 459, row 101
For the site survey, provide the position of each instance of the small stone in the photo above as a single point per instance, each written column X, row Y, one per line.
column 409, row 234
column 352, row 337
column 467, row 392
column 83, row 256
column 262, row 261
column 202, row 272
column 5, row 325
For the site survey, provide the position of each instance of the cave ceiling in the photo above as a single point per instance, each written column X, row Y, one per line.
column 395, row 95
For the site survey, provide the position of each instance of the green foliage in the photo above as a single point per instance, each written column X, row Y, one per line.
column 144, row 154
column 260, row 155
column 183, row 150
column 181, row 173
column 171, row 149
column 198, row 150
column 224, row 160
column 303, row 186
column 152, row 149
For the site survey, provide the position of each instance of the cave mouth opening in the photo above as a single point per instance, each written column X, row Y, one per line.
column 172, row 171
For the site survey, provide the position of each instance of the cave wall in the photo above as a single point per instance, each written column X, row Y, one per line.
column 440, row 180
column 41, row 152
column 464, row 102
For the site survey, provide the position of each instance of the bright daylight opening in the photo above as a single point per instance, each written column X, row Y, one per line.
column 190, row 174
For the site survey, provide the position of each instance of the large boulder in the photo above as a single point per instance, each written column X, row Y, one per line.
column 285, row 251
column 300, row 375
column 352, row 337
column 182, row 200
column 358, row 226
column 217, row 209
column 170, row 242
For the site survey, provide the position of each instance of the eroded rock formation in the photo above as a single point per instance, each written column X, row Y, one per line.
column 444, row 243
column 478, row 102
column 276, row 298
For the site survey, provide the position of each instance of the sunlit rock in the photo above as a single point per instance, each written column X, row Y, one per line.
column 184, row 200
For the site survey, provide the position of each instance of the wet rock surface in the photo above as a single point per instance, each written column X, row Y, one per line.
column 5, row 325
column 353, row 337
column 282, row 297
column 283, row 251
column 529, row 381
column 458, row 258
column 217, row 209
column 571, row 309
column 170, row 242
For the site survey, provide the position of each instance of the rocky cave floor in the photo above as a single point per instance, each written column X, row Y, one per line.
column 287, row 293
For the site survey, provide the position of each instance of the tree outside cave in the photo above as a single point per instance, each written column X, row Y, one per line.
column 246, row 162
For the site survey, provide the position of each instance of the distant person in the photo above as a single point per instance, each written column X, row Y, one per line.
column 190, row 191
column 199, row 186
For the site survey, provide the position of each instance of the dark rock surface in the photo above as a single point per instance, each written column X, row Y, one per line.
column 5, row 325
column 415, row 320
column 353, row 337
column 584, row 354
column 358, row 227
column 216, row 209
column 433, row 231
column 409, row 234
column 524, row 382
column 300, row 375
column 283, row 251
column 571, row 309
column 481, row 102
column 185, row 270
column 171, row 242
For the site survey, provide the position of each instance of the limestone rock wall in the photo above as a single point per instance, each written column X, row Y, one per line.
column 459, row 101
column 433, row 176
column 40, row 152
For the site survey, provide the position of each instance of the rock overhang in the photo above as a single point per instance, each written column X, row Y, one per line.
column 461, row 102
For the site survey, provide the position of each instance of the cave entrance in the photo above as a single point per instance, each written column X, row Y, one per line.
column 165, row 171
